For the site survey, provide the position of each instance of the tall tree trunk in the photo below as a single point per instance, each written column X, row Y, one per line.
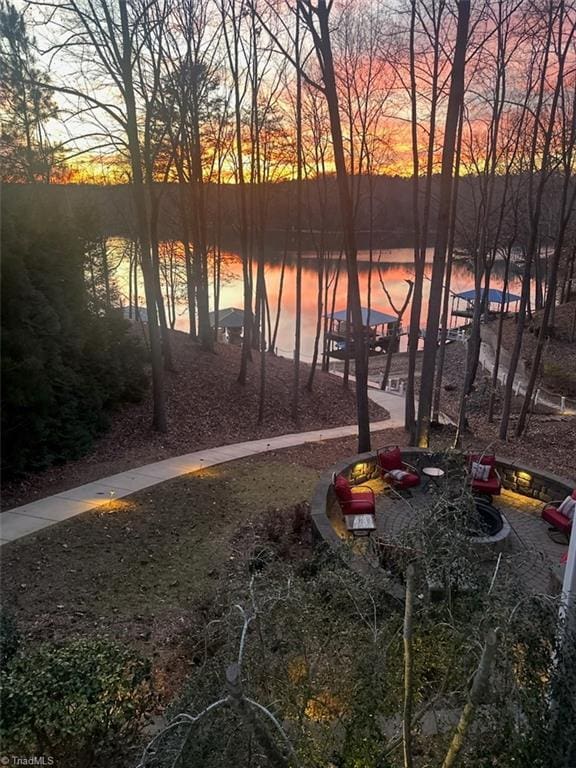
column 262, row 393
column 347, row 211
column 539, row 161
column 159, row 409
column 434, row 305
column 320, row 294
column 130, row 299
column 202, row 293
column 471, row 347
column 155, row 246
column 326, row 362
column 272, row 345
column 568, row 276
column 298, row 318
column 136, row 255
column 106, row 274
column 421, row 225
column 184, row 223
column 502, row 315
column 448, row 279
column 218, row 250
column 416, row 308
column 233, row 51
column 549, row 304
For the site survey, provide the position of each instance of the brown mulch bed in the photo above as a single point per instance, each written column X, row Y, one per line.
column 559, row 358
column 549, row 441
column 206, row 408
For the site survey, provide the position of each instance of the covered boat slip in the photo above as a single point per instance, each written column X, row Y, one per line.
column 493, row 301
column 230, row 324
column 380, row 331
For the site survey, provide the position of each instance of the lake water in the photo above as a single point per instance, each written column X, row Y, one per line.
column 394, row 266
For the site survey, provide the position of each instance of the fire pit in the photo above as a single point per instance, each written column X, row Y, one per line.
column 490, row 520
column 489, row 532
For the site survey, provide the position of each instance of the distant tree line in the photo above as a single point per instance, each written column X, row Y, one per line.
column 67, row 358
column 392, row 198
column 393, row 228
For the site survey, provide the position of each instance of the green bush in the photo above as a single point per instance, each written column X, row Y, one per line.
column 76, row 702
column 9, row 637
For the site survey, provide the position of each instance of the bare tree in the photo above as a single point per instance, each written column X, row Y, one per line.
column 316, row 18
column 102, row 37
column 566, row 209
column 442, row 226
column 396, row 328
column 551, row 64
column 232, row 14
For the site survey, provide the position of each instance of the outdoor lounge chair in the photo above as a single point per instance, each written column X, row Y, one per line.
column 395, row 471
column 484, row 477
column 558, row 518
column 352, row 500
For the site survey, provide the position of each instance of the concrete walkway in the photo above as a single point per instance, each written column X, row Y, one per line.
column 37, row 515
column 393, row 402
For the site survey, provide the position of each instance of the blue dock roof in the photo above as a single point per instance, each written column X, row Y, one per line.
column 495, row 296
column 369, row 316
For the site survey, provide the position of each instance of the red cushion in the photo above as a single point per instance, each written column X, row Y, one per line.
column 409, row 481
column 490, row 486
column 342, row 487
column 360, row 504
column 557, row 519
column 391, row 459
column 487, row 459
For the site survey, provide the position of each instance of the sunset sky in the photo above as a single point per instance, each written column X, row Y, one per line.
column 370, row 45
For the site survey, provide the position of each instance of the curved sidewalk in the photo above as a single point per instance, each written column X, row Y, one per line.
column 33, row 517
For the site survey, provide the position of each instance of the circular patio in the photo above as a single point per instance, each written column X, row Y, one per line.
column 523, row 543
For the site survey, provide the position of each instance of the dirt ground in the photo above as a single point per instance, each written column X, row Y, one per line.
column 559, row 359
column 206, row 408
column 550, row 440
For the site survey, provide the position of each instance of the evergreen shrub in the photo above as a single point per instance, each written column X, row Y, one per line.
column 76, row 703
column 65, row 364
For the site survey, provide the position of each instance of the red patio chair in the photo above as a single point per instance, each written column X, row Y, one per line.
column 492, row 485
column 352, row 501
column 395, row 471
column 554, row 517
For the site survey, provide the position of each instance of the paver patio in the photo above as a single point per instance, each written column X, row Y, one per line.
column 529, row 550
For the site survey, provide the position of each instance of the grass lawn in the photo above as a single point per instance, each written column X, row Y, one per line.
column 149, row 569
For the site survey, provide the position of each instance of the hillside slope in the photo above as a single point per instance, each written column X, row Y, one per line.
column 206, row 407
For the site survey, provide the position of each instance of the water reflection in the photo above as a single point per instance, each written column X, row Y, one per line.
column 394, row 267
